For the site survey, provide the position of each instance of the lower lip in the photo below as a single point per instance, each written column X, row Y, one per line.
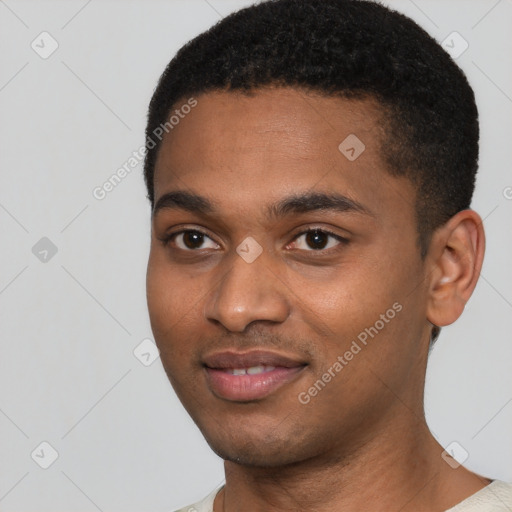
column 244, row 388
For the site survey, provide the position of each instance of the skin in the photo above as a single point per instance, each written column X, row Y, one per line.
column 362, row 443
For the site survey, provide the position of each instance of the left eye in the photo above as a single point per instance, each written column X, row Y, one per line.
column 317, row 240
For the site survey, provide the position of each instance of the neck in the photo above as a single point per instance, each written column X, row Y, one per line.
column 400, row 468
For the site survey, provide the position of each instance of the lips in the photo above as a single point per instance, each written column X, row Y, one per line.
column 247, row 376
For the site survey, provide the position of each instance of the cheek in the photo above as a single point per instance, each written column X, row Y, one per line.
column 344, row 299
column 361, row 309
column 172, row 301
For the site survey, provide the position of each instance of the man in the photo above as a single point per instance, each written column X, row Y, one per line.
column 310, row 169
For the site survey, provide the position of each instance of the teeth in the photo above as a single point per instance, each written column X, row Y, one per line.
column 259, row 369
column 253, row 370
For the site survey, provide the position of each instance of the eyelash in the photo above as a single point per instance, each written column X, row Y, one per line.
column 343, row 241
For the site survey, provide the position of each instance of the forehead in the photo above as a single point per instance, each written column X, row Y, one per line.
column 307, row 123
column 238, row 148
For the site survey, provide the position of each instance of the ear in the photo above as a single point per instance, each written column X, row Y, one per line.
column 456, row 254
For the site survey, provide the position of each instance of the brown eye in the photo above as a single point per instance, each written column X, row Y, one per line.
column 190, row 240
column 317, row 240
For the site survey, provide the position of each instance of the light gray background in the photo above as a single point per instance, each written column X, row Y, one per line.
column 69, row 326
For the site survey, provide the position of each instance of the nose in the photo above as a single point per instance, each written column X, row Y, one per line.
column 246, row 293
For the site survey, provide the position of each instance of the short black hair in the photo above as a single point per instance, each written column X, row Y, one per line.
column 352, row 49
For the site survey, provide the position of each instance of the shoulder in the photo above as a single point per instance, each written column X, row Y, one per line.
column 495, row 497
column 205, row 505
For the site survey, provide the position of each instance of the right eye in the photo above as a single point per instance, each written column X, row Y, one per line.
column 189, row 240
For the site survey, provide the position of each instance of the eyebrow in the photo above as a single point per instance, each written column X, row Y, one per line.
column 298, row 203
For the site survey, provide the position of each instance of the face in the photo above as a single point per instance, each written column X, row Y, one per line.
column 284, row 283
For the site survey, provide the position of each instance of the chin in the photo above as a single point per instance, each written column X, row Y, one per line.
column 263, row 448
column 250, row 455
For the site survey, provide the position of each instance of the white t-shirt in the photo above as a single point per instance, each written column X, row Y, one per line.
column 495, row 497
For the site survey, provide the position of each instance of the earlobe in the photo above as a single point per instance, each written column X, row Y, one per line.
column 456, row 252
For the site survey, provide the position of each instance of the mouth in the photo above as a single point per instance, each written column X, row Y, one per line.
column 248, row 376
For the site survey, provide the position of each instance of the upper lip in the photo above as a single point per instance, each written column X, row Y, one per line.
column 234, row 359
